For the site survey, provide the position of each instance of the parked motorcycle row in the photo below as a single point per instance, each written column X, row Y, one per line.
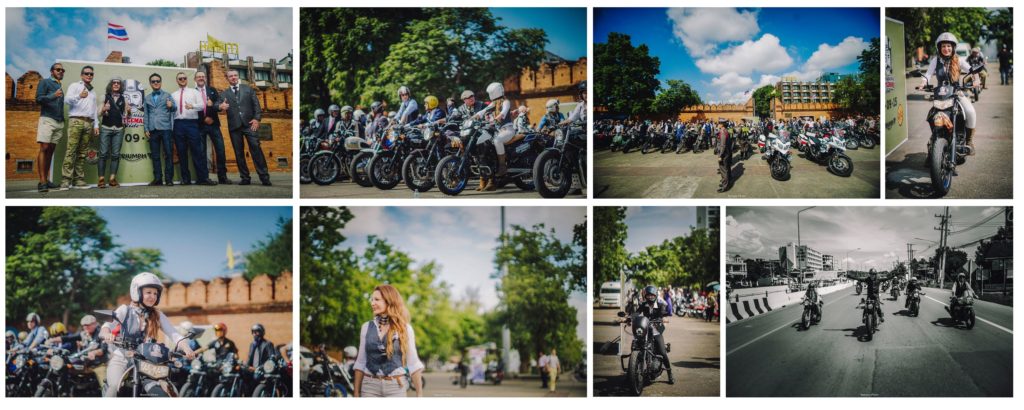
column 153, row 370
column 823, row 142
column 448, row 156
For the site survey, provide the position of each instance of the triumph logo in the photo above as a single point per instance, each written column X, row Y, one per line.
column 135, row 157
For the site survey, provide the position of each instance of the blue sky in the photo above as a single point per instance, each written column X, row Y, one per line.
column 650, row 225
column 461, row 240
column 36, row 37
column 566, row 27
column 725, row 53
column 192, row 239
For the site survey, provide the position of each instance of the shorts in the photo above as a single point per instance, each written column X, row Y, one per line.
column 49, row 130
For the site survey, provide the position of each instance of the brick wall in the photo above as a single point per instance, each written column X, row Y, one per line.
column 533, row 87
column 27, row 85
column 9, row 87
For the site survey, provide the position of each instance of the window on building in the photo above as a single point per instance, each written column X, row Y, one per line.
column 260, row 75
column 284, row 77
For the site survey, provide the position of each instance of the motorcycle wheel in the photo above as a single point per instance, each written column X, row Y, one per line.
column 376, row 171
column 852, row 144
column 359, row 171
column 841, row 165
column 551, row 180
column 805, row 320
column 219, row 391
column 416, row 172
column 942, row 176
column 780, row 169
column 525, row 183
column 872, row 325
column 645, row 148
column 913, row 308
column 867, row 143
column 264, row 390
column 969, row 320
column 449, row 181
column 304, row 177
column 187, row 391
column 338, row 390
column 635, row 374
column 323, row 169
column 44, row 390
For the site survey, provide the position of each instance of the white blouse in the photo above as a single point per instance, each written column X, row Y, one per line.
column 412, row 358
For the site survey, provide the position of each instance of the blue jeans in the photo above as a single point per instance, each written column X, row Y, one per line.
column 186, row 139
column 213, row 132
column 110, row 150
column 161, row 140
column 1004, row 75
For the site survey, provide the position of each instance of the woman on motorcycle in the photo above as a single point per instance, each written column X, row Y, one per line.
column 502, row 109
column 139, row 320
column 408, row 110
column 387, row 349
column 947, row 67
column 815, row 297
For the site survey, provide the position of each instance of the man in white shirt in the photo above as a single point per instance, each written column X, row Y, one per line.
column 542, row 365
column 189, row 103
column 81, row 101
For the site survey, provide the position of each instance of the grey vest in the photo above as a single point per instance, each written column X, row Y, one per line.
column 131, row 327
column 377, row 357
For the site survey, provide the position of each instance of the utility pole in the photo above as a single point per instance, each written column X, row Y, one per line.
column 506, row 334
column 943, row 237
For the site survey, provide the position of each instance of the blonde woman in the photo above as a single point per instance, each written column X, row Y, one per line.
column 387, row 349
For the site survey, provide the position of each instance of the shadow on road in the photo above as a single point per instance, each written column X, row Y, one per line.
column 861, row 333
column 946, row 322
column 903, row 174
column 699, row 363
column 612, row 386
column 609, row 348
column 904, row 312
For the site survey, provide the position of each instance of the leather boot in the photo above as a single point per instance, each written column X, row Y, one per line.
column 483, row 184
column 113, row 181
column 101, row 183
column 491, row 184
column 502, row 168
column 970, row 140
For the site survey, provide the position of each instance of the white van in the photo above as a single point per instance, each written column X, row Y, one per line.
column 610, row 295
column 963, row 50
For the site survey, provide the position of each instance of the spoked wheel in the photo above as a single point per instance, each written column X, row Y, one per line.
column 805, row 320
column 451, row 181
column 552, row 180
column 940, row 167
column 384, row 171
column 635, row 374
column 417, row 173
column 323, row 169
column 359, row 171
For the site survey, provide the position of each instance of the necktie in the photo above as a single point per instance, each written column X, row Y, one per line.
column 181, row 99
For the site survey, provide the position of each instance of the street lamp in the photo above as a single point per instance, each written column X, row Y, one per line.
column 848, row 261
column 798, row 244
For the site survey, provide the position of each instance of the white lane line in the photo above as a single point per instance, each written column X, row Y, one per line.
column 976, row 317
column 788, row 324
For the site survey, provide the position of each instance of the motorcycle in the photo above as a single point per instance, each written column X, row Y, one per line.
column 963, row 312
column 274, row 378
column 580, row 373
column 645, row 364
column 860, row 288
column 812, row 314
column 332, row 160
column 494, row 374
column 418, row 168
column 635, row 139
column 870, row 316
column 24, row 371
column 70, row 375
column 658, row 141
column 327, row 378
column 776, row 152
column 385, row 167
column 689, row 142
column 619, row 141
column 914, row 301
column 201, row 378
column 555, row 169
column 480, row 158
column 894, row 291
column 308, row 145
column 973, row 83
column 231, row 382
column 827, row 149
column 947, row 146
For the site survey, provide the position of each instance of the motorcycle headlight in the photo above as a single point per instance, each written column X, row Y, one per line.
column 19, row 361
column 56, row 362
column 942, row 104
column 196, row 363
column 638, row 332
column 269, row 366
column 227, row 367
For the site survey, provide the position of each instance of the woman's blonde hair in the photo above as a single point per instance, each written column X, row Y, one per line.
column 152, row 319
column 398, row 318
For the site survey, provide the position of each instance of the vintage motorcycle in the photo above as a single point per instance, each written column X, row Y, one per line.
column 555, row 169
column 327, row 378
column 812, row 314
column 202, row 378
column 479, row 157
column 231, row 382
column 963, row 312
column 870, row 316
column 149, row 364
column 70, row 374
column 947, row 146
column 418, row 168
column 914, row 301
column 776, row 152
column 645, row 364
column 275, row 378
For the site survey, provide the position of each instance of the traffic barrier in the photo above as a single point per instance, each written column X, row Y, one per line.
column 751, row 302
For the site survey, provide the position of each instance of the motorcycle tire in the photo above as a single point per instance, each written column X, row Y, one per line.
column 187, row 390
column 416, row 172
column 445, row 176
column 635, row 374
column 867, row 143
column 525, row 183
column 942, row 179
column 220, row 390
column 264, row 390
column 304, row 177
column 913, row 308
column 551, row 180
column 780, row 169
column 852, row 144
column 805, row 320
column 645, row 149
column 375, row 170
column 969, row 319
column 323, row 169
column 841, row 165
column 45, row 390
column 359, row 171
column 872, row 325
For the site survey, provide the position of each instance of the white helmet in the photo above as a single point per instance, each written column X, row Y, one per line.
column 403, row 90
column 186, row 327
column 88, row 320
column 358, row 114
column 552, row 105
column 944, row 38
column 350, row 351
column 33, row 317
column 495, row 91
column 145, row 280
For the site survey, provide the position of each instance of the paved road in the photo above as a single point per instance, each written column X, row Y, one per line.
column 347, row 189
column 440, row 385
column 923, row 356
column 688, row 175
column 695, row 358
column 281, row 188
column 987, row 175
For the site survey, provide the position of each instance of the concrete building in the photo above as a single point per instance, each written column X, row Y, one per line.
column 735, row 269
column 799, row 258
column 708, row 217
column 792, row 91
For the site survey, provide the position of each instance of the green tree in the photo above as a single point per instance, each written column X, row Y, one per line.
column 610, row 254
column 105, row 289
column 160, row 62
column 922, row 25
column 51, row 271
column 670, row 101
column 1000, row 27
column 763, row 101
column 273, row 255
column 624, row 76
column 537, row 275
column 333, row 293
column 21, row 221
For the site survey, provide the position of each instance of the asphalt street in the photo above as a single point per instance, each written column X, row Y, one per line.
column 346, row 189
column 987, row 175
column 689, row 175
column 694, row 356
column 281, row 188
column 440, row 385
column 924, row 356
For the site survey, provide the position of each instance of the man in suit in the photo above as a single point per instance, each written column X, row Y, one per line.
column 209, row 125
column 243, row 123
column 725, row 145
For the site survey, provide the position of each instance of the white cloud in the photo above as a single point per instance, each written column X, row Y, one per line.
column 702, row 29
column 732, row 82
column 765, row 55
column 829, row 57
column 743, row 238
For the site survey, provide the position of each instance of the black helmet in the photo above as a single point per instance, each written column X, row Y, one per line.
column 258, row 330
column 582, row 86
column 650, row 290
column 961, row 276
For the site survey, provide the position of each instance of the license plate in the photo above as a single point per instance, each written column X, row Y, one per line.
column 155, row 371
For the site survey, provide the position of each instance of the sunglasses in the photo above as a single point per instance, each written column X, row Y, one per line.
column 182, row 78
column 154, row 81
column 88, row 74
column 59, row 70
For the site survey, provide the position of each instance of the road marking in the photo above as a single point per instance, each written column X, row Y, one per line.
column 976, row 317
column 772, row 331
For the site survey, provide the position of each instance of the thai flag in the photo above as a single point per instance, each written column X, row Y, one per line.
column 116, row 32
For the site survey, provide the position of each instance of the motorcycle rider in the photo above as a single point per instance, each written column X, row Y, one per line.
column 221, row 346
column 260, row 350
column 502, row 119
column 947, row 68
column 815, row 297
column 553, row 117
column 580, row 112
column 346, row 123
column 911, row 286
column 318, row 127
column 378, row 121
column 139, row 320
column 978, row 59
column 37, row 334
column 871, row 283
column 522, row 121
column 408, row 110
column 435, row 114
column 333, row 118
column 654, row 307
column 960, row 289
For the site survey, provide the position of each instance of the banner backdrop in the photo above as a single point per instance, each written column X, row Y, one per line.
column 895, row 85
column 135, row 165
